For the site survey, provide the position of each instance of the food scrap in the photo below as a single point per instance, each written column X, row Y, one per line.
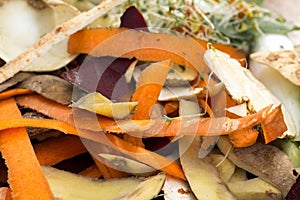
column 152, row 100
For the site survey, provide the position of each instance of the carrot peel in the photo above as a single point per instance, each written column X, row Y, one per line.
column 53, row 150
column 141, row 154
column 144, row 46
column 14, row 92
column 189, row 125
column 39, row 123
column 25, row 176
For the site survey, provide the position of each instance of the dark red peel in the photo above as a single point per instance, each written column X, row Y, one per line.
column 106, row 74
column 133, row 18
column 294, row 193
column 102, row 74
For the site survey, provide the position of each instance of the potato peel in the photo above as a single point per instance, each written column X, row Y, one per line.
column 287, row 62
column 97, row 103
column 203, row 177
column 175, row 188
column 14, row 29
column 56, row 57
column 265, row 161
column 243, row 86
column 13, row 33
column 57, row 35
column 66, row 185
column 131, row 166
column 50, row 86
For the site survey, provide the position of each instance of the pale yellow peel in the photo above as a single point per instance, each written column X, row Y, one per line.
column 97, row 103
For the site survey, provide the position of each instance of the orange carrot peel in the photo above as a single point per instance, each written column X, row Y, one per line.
column 25, row 176
column 206, row 126
column 53, row 150
column 191, row 125
column 92, row 171
column 144, row 46
column 138, row 153
column 14, row 92
column 159, row 128
column 148, row 89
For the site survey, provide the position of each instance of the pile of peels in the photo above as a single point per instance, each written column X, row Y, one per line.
column 131, row 114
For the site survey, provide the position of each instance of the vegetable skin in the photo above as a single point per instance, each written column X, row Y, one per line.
column 53, row 150
column 254, row 189
column 265, row 161
column 243, row 86
column 57, row 35
column 26, row 181
column 66, row 185
column 144, row 46
column 202, row 175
